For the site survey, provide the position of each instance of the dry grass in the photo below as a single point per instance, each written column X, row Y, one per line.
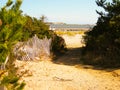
column 70, row 33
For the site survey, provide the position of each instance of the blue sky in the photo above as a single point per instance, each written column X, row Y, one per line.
column 67, row 11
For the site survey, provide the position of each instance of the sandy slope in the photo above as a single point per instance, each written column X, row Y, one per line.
column 66, row 74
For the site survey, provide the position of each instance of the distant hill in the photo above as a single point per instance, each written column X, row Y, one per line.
column 69, row 27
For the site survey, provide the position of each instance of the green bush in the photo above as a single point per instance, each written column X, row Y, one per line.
column 36, row 26
column 58, row 43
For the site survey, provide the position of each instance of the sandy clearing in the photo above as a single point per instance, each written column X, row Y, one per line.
column 50, row 76
column 73, row 41
column 66, row 74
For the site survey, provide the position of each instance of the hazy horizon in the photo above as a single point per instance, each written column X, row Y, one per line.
column 66, row 11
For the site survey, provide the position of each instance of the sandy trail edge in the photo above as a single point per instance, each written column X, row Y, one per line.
column 45, row 75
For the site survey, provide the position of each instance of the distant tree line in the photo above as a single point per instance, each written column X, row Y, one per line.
column 103, row 41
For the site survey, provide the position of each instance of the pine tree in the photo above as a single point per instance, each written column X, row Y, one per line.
column 11, row 31
column 11, row 28
column 104, row 40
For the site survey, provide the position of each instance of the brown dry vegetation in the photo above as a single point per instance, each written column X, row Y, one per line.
column 70, row 33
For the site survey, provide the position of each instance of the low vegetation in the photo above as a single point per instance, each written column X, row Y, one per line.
column 70, row 33
column 61, row 47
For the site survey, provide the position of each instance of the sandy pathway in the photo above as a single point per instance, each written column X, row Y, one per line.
column 66, row 73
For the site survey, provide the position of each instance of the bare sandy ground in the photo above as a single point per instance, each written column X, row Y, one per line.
column 73, row 41
column 66, row 73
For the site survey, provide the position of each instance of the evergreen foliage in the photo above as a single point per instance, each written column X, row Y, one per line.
column 58, row 44
column 11, row 32
column 11, row 28
column 103, row 42
column 36, row 26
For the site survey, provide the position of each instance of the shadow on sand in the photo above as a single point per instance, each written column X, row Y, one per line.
column 72, row 58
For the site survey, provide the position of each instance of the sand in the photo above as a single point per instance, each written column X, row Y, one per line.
column 66, row 73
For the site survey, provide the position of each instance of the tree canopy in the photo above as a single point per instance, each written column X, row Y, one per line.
column 11, row 29
column 103, row 41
